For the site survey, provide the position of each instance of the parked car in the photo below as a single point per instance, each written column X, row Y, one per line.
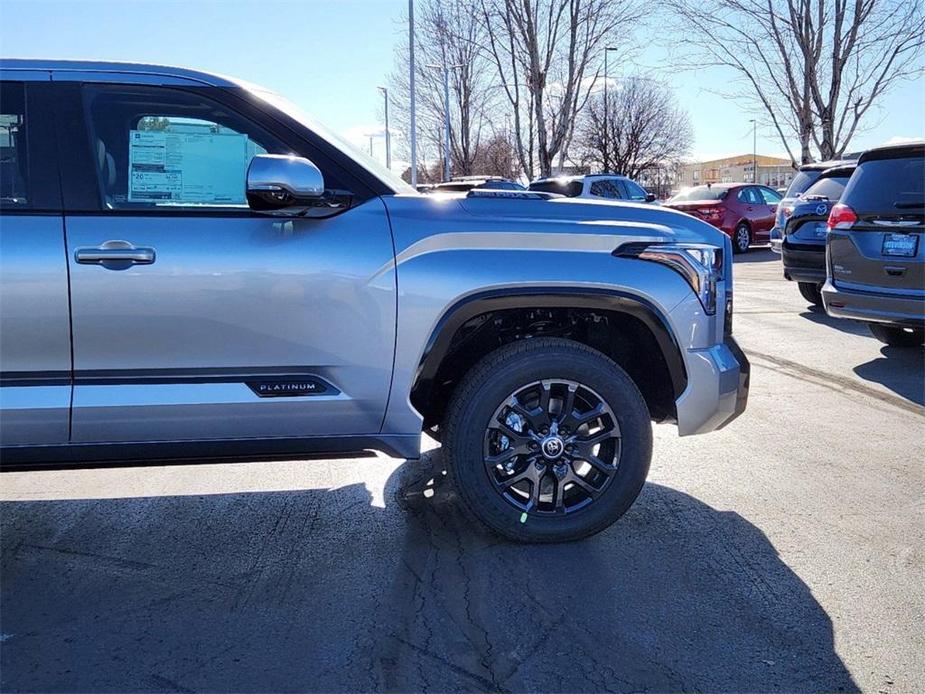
column 228, row 286
column 804, row 178
column 803, row 247
column 464, row 184
column 744, row 211
column 875, row 253
column 604, row 186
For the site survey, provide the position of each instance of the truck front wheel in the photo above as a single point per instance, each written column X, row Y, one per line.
column 547, row 440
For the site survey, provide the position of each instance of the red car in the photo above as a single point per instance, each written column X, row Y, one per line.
column 744, row 211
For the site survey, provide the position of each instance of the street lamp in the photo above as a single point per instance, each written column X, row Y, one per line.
column 388, row 139
column 754, row 149
column 606, row 110
column 446, row 115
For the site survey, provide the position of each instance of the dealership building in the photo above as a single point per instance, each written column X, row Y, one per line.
column 772, row 171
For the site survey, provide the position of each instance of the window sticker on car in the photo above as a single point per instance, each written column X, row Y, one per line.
column 187, row 167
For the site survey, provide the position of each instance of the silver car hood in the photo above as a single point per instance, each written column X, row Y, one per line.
column 591, row 225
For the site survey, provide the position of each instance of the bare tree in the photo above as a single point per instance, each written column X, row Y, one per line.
column 447, row 33
column 546, row 53
column 643, row 128
column 815, row 67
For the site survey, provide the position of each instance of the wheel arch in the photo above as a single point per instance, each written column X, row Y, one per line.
column 428, row 391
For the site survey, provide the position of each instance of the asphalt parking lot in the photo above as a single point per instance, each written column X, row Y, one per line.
column 783, row 553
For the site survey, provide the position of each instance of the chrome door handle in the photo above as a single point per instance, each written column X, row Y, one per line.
column 115, row 255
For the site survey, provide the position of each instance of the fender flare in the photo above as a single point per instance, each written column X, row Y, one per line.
column 547, row 297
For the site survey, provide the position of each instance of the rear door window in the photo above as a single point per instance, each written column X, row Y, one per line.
column 14, row 171
column 605, row 189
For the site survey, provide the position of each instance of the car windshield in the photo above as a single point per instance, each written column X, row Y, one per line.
column 800, row 182
column 394, row 181
column 701, row 193
column 829, row 188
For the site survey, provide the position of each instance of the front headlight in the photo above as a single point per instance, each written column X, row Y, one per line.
column 698, row 263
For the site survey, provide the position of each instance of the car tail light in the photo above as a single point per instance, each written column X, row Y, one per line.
column 709, row 214
column 841, row 217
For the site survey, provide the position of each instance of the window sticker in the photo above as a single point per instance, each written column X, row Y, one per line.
column 188, row 167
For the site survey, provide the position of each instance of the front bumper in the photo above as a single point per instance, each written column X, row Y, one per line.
column 873, row 307
column 803, row 262
column 717, row 388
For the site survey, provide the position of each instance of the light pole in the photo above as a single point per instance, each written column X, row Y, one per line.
column 606, row 111
column 446, row 116
column 754, row 150
column 414, row 124
column 388, row 138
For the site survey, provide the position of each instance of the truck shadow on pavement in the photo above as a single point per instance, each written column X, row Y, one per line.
column 318, row 590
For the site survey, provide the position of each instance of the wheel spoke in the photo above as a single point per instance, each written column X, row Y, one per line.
column 559, row 494
column 595, row 461
column 533, row 417
column 577, row 419
column 534, row 492
column 583, row 483
column 502, row 457
column 568, row 404
column 599, row 437
column 516, row 437
column 545, row 393
column 526, row 474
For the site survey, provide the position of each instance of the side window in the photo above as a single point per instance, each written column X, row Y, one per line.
column 604, row 189
column 14, row 174
column 770, row 196
column 157, row 147
column 747, row 196
column 634, row 191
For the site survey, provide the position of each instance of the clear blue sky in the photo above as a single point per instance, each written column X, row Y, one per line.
column 329, row 55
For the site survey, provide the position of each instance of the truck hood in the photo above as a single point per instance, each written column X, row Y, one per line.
column 578, row 223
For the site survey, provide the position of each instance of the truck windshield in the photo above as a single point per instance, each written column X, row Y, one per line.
column 367, row 162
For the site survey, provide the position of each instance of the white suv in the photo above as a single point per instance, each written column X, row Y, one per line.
column 606, row 186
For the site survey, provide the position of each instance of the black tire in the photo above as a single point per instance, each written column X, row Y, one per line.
column 495, row 381
column 895, row 336
column 741, row 238
column 811, row 292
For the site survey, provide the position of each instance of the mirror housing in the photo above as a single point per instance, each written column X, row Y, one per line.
column 284, row 183
column 650, row 197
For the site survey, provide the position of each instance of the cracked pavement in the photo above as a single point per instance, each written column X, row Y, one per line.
column 784, row 553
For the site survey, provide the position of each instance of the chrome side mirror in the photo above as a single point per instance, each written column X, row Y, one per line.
column 283, row 183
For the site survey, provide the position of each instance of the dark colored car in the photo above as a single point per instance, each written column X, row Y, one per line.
column 875, row 252
column 803, row 245
column 744, row 211
column 806, row 175
column 464, row 184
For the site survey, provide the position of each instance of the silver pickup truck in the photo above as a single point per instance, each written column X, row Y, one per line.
column 192, row 268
